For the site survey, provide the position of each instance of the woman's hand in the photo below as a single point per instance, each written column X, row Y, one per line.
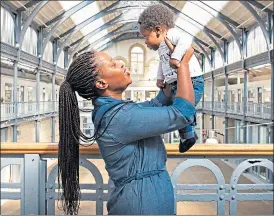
column 189, row 53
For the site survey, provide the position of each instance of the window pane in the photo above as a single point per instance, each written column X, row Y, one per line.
column 133, row 57
column 30, row 41
column 7, row 27
column 48, row 55
column 255, row 42
column 218, row 60
column 137, row 50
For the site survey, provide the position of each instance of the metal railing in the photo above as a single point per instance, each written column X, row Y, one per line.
column 30, row 108
column 37, row 190
column 259, row 110
column 26, row 109
column 219, row 106
column 262, row 110
column 235, row 108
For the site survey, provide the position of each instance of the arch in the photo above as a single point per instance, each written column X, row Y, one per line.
column 233, row 52
column 259, row 21
column 48, row 55
column 98, row 196
column 144, row 54
column 29, row 20
column 7, row 27
column 236, row 175
column 30, row 42
column 194, row 64
column 213, row 168
column 61, row 60
column 123, row 59
column 256, row 42
column 218, row 59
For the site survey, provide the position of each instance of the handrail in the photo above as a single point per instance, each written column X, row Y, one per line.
column 172, row 149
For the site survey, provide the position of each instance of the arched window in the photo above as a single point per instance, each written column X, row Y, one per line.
column 30, row 41
column 137, row 60
column 255, row 42
column 61, row 60
column 194, row 64
column 218, row 60
column 233, row 52
column 207, row 65
column 48, row 55
column 7, row 27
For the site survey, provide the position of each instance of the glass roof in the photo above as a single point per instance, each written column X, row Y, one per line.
column 83, row 14
column 196, row 14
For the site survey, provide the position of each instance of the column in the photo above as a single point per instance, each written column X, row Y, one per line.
column 245, row 107
column 66, row 58
column 226, row 100
column 15, row 100
column 244, row 54
column 272, row 101
column 53, row 109
column 212, row 101
column 37, row 122
column 17, row 31
column 271, row 35
column 212, row 87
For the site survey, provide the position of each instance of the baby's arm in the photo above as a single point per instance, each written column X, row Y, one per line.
column 160, row 77
column 174, row 63
column 182, row 43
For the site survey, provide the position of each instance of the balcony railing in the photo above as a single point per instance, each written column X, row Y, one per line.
column 218, row 106
column 252, row 110
column 26, row 109
column 30, row 108
column 37, row 189
column 259, row 110
column 235, row 108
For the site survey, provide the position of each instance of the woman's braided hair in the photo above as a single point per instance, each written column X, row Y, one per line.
column 81, row 78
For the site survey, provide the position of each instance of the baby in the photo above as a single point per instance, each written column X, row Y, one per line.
column 157, row 26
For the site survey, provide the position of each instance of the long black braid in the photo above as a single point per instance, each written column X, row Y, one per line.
column 81, row 77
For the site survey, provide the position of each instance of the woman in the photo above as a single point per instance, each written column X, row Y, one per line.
column 128, row 134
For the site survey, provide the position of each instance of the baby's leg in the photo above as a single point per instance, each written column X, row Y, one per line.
column 188, row 133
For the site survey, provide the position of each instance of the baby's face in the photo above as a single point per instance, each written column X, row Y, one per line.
column 153, row 38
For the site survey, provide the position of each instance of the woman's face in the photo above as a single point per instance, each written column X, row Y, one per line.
column 113, row 76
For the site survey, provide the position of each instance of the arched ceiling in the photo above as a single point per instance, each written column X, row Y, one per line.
column 79, row 25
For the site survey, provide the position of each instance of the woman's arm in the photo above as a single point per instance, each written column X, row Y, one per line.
column 134, row 122
column 184, row 83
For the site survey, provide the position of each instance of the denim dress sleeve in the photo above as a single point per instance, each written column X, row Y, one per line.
column 160, row 100
column 140, row 122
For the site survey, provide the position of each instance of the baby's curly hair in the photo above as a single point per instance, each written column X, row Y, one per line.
column 155, row 15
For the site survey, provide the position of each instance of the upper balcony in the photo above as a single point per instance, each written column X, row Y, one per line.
column 31, row 109
column 204, row 181
column 254, row 110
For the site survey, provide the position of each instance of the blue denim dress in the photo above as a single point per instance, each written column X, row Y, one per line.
column 135, row 155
